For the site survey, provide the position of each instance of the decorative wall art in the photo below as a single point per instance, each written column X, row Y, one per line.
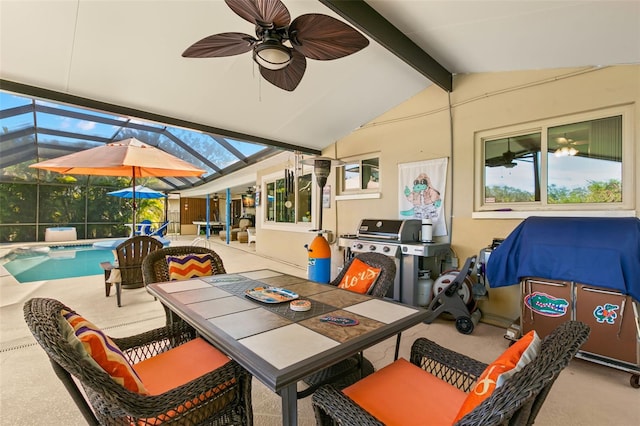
column 421, row 189
column 248, row 200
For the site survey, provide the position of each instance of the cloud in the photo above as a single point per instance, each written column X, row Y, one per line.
column 65, row 123
column 86, row 125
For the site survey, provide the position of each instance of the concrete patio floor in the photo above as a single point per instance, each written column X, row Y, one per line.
column 30, row 394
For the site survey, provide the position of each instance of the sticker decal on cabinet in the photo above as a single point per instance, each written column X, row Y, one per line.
column 606, row 313
column 545, row 304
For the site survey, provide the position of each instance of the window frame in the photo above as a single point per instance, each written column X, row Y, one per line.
column 345, row 194
column 542, row 207
column 296, row 226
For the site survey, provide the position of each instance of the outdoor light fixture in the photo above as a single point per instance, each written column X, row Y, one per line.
column 272, row 55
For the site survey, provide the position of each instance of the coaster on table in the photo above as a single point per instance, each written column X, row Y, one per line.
column 300, row 305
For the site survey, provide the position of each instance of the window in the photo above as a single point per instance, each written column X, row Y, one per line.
column 581, row 162
column 361, row 174
column 305, row 189
column 289, row 200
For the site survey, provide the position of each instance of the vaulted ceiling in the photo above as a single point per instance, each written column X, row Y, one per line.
column 125, row 57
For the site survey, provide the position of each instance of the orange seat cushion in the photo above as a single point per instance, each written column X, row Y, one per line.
column 402, row 394
column 179, row 365
column 359, row 277
column 514, row 359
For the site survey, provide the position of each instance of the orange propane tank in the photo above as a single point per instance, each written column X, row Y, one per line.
column 319, row 269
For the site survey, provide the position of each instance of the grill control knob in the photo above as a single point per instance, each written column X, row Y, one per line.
column 372, row 247
column 386, row 249
column 358, row 246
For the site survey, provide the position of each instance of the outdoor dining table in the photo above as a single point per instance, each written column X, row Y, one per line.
column 214, row 226
column 278, row 345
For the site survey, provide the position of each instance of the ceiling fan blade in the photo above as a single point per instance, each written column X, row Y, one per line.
column 217, row 45
column 261, row 12
column 322, row 37
column 289, row 77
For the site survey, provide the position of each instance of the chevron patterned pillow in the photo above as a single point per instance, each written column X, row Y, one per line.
column 98, row 348
column 189, row 266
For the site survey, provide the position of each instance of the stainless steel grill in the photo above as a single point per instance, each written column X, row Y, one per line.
column 390, row 230
column 399, row 239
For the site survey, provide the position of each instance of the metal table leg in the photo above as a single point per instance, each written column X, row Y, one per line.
column 289, row 397
column 395, row 356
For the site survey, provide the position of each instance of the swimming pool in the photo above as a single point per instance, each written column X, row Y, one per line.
column 53, row 263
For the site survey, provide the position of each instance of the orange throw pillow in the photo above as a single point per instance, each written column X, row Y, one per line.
column 95, row 346
column 359, row 277
column 514, row 359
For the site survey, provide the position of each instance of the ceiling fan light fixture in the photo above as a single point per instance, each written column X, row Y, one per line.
column 272, row 55
column 565, row 151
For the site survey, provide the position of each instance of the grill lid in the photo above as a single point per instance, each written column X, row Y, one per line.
column 400, row 230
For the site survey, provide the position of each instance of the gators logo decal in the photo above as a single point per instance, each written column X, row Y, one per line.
column 545, row 304
column 606, row 313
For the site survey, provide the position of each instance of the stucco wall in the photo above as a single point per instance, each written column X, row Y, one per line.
column 421, row 129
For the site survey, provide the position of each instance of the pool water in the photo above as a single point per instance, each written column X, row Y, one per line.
column 57, row 263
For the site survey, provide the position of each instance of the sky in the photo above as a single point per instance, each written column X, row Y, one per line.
column 569, row 172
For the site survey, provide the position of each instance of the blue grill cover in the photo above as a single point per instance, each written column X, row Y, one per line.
column 603, row 252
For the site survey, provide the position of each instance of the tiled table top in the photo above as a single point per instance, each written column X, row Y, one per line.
column 276, row 344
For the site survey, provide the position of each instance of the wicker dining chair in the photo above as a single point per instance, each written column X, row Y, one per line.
column 385, row 280
column 352, row 369
column 155, row 268
column 130, row 254
column 220, row 393
column 516, row 402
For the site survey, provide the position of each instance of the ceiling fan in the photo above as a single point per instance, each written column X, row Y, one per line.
column 566, row 146
column 281, row 46
column 564, row 140
column 508, row 156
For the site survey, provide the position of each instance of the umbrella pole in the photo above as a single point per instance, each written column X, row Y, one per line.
column 135, row 207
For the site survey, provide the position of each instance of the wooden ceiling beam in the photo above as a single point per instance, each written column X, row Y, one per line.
column 370, row 22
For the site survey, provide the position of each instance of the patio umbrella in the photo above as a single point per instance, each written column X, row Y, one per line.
column 140, row 191
column 128, row 157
